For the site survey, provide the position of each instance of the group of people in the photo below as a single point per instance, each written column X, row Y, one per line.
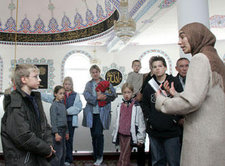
column 191, row 103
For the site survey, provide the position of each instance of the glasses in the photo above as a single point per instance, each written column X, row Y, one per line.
column 36, row 77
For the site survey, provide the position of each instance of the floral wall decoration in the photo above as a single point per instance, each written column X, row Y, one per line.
column 46, row 71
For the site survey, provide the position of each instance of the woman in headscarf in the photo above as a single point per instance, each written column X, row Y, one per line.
column 202, row 101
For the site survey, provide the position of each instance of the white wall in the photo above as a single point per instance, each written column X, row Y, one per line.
column 57, row 53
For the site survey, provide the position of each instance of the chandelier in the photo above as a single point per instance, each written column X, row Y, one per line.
column 125, row 27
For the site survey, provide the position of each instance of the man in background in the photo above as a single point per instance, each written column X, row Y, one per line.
column 182, row 68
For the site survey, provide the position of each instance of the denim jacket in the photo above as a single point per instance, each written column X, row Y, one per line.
column 105, row 111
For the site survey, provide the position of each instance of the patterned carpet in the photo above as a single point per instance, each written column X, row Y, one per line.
column 86, row 160
column 89, row 163
column 105, row 163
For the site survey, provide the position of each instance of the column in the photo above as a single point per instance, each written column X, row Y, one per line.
column 192, row 11
column 189, row 11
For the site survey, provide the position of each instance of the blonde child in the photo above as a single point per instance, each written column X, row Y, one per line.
column 26, row 135
column 73, row 106
column 129, row 127
column 59, row 126
column 95, row 117
column 135, row 78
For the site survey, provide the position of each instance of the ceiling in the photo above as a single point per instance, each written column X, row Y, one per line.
column 90, row 22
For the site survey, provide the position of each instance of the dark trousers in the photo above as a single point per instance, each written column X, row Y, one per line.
column 141, row 155
column 141, row 158
column 60, row 148
column 165, row 150
column 97, row 137
column 69, row 143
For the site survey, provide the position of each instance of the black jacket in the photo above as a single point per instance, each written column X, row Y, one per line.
column 159, row 124
column 26, row 139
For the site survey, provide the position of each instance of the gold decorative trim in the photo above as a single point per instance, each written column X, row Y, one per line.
column 60, row 37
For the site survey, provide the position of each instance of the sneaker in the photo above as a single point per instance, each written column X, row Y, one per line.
column 98, row 161
column 67, row 164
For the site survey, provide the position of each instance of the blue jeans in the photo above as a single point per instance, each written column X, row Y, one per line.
column 69, row 143
column 60, row 148
column 97, row 136
column 165, row 150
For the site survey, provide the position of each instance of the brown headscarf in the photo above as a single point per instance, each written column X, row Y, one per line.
column 202, row 40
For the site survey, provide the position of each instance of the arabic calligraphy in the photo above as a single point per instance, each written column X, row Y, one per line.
column 64, row 36
column 114, row 76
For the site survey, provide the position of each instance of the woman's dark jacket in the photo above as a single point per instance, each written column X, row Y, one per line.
column 26, row 135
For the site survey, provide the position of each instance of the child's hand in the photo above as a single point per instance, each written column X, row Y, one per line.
column 181, row 122
column 101, row 96
column 138, row 97
column 67, row 136
column 57, row 137
column 52, row 151
column 160, row 91
column 139, row 144
column 171, row 90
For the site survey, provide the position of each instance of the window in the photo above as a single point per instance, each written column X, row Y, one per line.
column 77, row 66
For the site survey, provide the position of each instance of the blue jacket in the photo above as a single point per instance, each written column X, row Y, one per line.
column 58, row 116
column 73, row 105
column 105, row 112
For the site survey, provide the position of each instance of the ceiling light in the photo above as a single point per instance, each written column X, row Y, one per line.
column 125, row 27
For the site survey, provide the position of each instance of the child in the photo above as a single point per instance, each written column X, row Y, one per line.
column 163, row 130
column 135, row 78
column 26, row 135
column 129, row 126
column 59, row 126
column 74, row 106
column 95, row 117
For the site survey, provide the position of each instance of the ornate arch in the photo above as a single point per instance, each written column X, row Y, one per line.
column 68, row 55
column 163, row 54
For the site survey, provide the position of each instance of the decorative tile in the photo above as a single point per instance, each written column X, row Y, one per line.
column 39, row 26
column 66, row 24
column 89, row 17
column 136, row 7
column 99, row 12
column 25, row 26
column 145, row 9
column 121, row 69
column 10, row 25
column 53, row 26
column 37, row 61
column 166, row 3
column 217, row 21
